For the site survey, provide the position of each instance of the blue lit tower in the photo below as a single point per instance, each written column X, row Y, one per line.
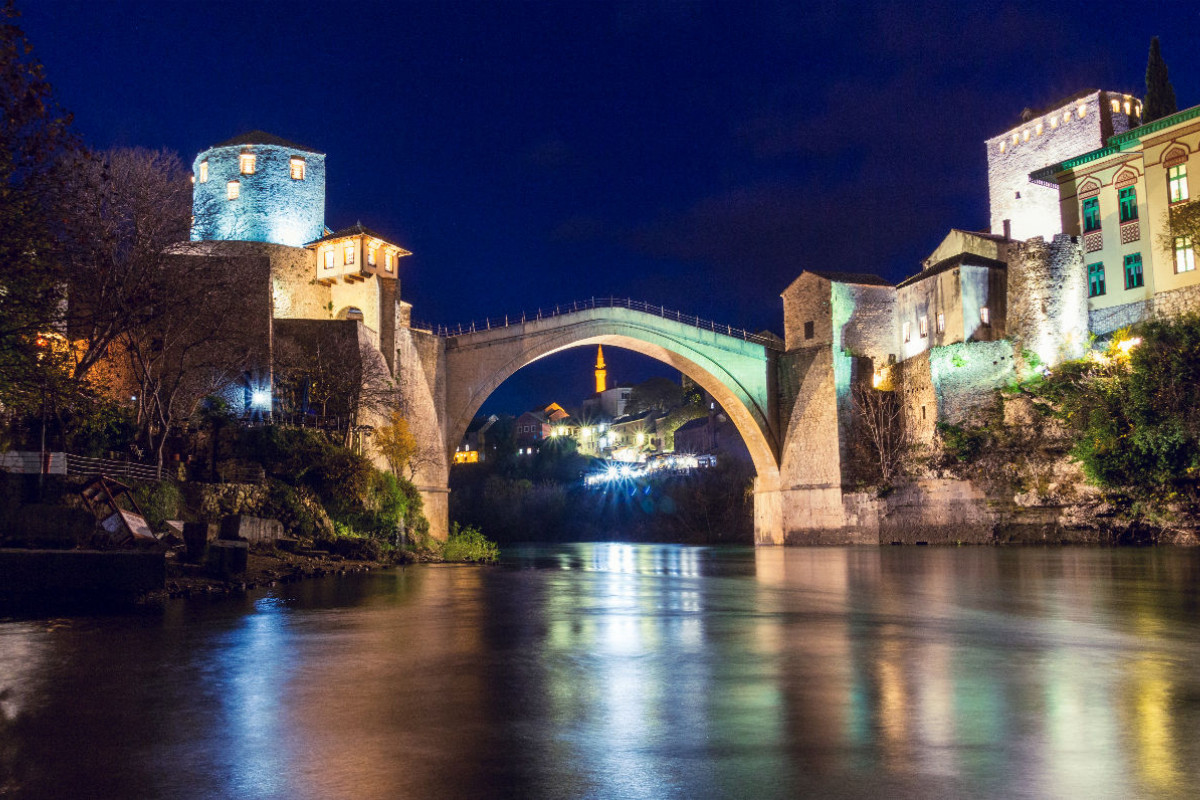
column 259, row 188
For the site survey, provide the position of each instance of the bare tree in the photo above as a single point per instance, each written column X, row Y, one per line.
column 884, row 429
column 124, row 209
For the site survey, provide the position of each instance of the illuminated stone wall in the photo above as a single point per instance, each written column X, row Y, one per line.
column 1042, row 139
column 1047, row 298
column 271, row 206
column 1162, row 305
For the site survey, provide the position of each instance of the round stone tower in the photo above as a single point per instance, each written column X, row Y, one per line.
column 259, row 188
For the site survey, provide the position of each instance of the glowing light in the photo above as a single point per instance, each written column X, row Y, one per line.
column 246, row 163
column 260, row 398
column 1128, row 344
column 641, row 438
column 1081, row 111
column 296, row 165
column 233, row 190
column 204, row 172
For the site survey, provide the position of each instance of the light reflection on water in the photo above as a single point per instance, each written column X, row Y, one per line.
column 632, row 671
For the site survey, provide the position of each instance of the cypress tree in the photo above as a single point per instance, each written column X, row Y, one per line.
column 1160, row 95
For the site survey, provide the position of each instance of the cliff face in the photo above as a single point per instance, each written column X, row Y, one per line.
column 1026, row 489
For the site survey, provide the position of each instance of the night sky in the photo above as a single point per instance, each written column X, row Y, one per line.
column 694, row 155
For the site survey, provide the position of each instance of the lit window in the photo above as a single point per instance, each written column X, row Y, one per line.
column 1066, row 116
column 1016, row 138
column 1129, row 210
column 1177, row 187
column 1091, row 214
column 328, row 258
column 296, row 165
column 371, row 255
column 1038, row 129
column 1081, row 111
column 907, row 333
column 348, row 253
column 1095, row 280
column 1185, row 256
column 204, row 172
column 1133, row 270
column 941, row 322
column 233, row 189
column 1025, row 135
column 389, row 258
column 1003, row 146
column 1116, row 104
column 1054, row 122
column 924, row 327
column 246, row 163
column 1127, row 109
column 984, row 316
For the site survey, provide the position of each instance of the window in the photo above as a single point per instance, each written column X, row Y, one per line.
column 1128, row 197
column 1177, row 188
column 924, row 327
column 808, row 330
column 204, row 172
column 328, row 258
column 296, row 165
column 371, row 255
column 1133, row 270
column 907, row 333
column 1095, row 280
column 1091, row 214
column 985, row 316
column 1185, row 256
column 348, row 253
column 388, row 260
column 233, row 189
column 941, row 322
column 246, row 163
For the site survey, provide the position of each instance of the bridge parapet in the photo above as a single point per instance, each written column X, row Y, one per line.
column 491, row 323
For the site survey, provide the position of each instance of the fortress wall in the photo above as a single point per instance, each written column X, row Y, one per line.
column 964, row 375
column 1047, row 298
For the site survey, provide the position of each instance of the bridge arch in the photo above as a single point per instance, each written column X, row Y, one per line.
column 736, row 372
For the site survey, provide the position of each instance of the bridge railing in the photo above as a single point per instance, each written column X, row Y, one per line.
column 599, row 302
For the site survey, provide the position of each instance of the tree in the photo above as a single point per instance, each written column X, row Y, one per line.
column 1160, row 95
column 659, row 394
column 885, row 431
column 396, row 443
column 123, row 210
column 35, row 138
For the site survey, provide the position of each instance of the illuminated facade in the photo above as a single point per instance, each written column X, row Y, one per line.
column 259, row 188
column 1117, row 200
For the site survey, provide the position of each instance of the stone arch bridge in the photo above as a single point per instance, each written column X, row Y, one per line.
column 446, row 374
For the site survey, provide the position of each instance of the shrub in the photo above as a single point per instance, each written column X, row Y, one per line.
column 964, row 444
column 159, row 502
column 468, row 544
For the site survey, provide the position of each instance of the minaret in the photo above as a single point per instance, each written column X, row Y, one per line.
column 601, row 373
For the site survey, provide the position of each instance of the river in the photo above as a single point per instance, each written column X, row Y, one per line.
column 631, row 671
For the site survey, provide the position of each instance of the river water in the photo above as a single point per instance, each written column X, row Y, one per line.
column 632, row 671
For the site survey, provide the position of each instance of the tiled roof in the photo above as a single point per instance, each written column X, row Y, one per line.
column 960, row 260
column 262, row 137
column 354, row 230
column 862, row 278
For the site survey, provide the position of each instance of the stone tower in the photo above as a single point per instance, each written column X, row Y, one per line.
column 601, row 372
column 1074, row 125
column 259, row 188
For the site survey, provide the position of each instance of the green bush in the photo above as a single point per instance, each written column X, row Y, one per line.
column 964, row 444
column 468, row 544
column 159, row 502
column 1135, row 414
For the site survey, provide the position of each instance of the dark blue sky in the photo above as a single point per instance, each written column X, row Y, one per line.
column 695, row 155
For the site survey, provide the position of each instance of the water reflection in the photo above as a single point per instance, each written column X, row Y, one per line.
column 631, row 671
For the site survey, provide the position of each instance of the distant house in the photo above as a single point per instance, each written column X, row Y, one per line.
column 635, row 436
